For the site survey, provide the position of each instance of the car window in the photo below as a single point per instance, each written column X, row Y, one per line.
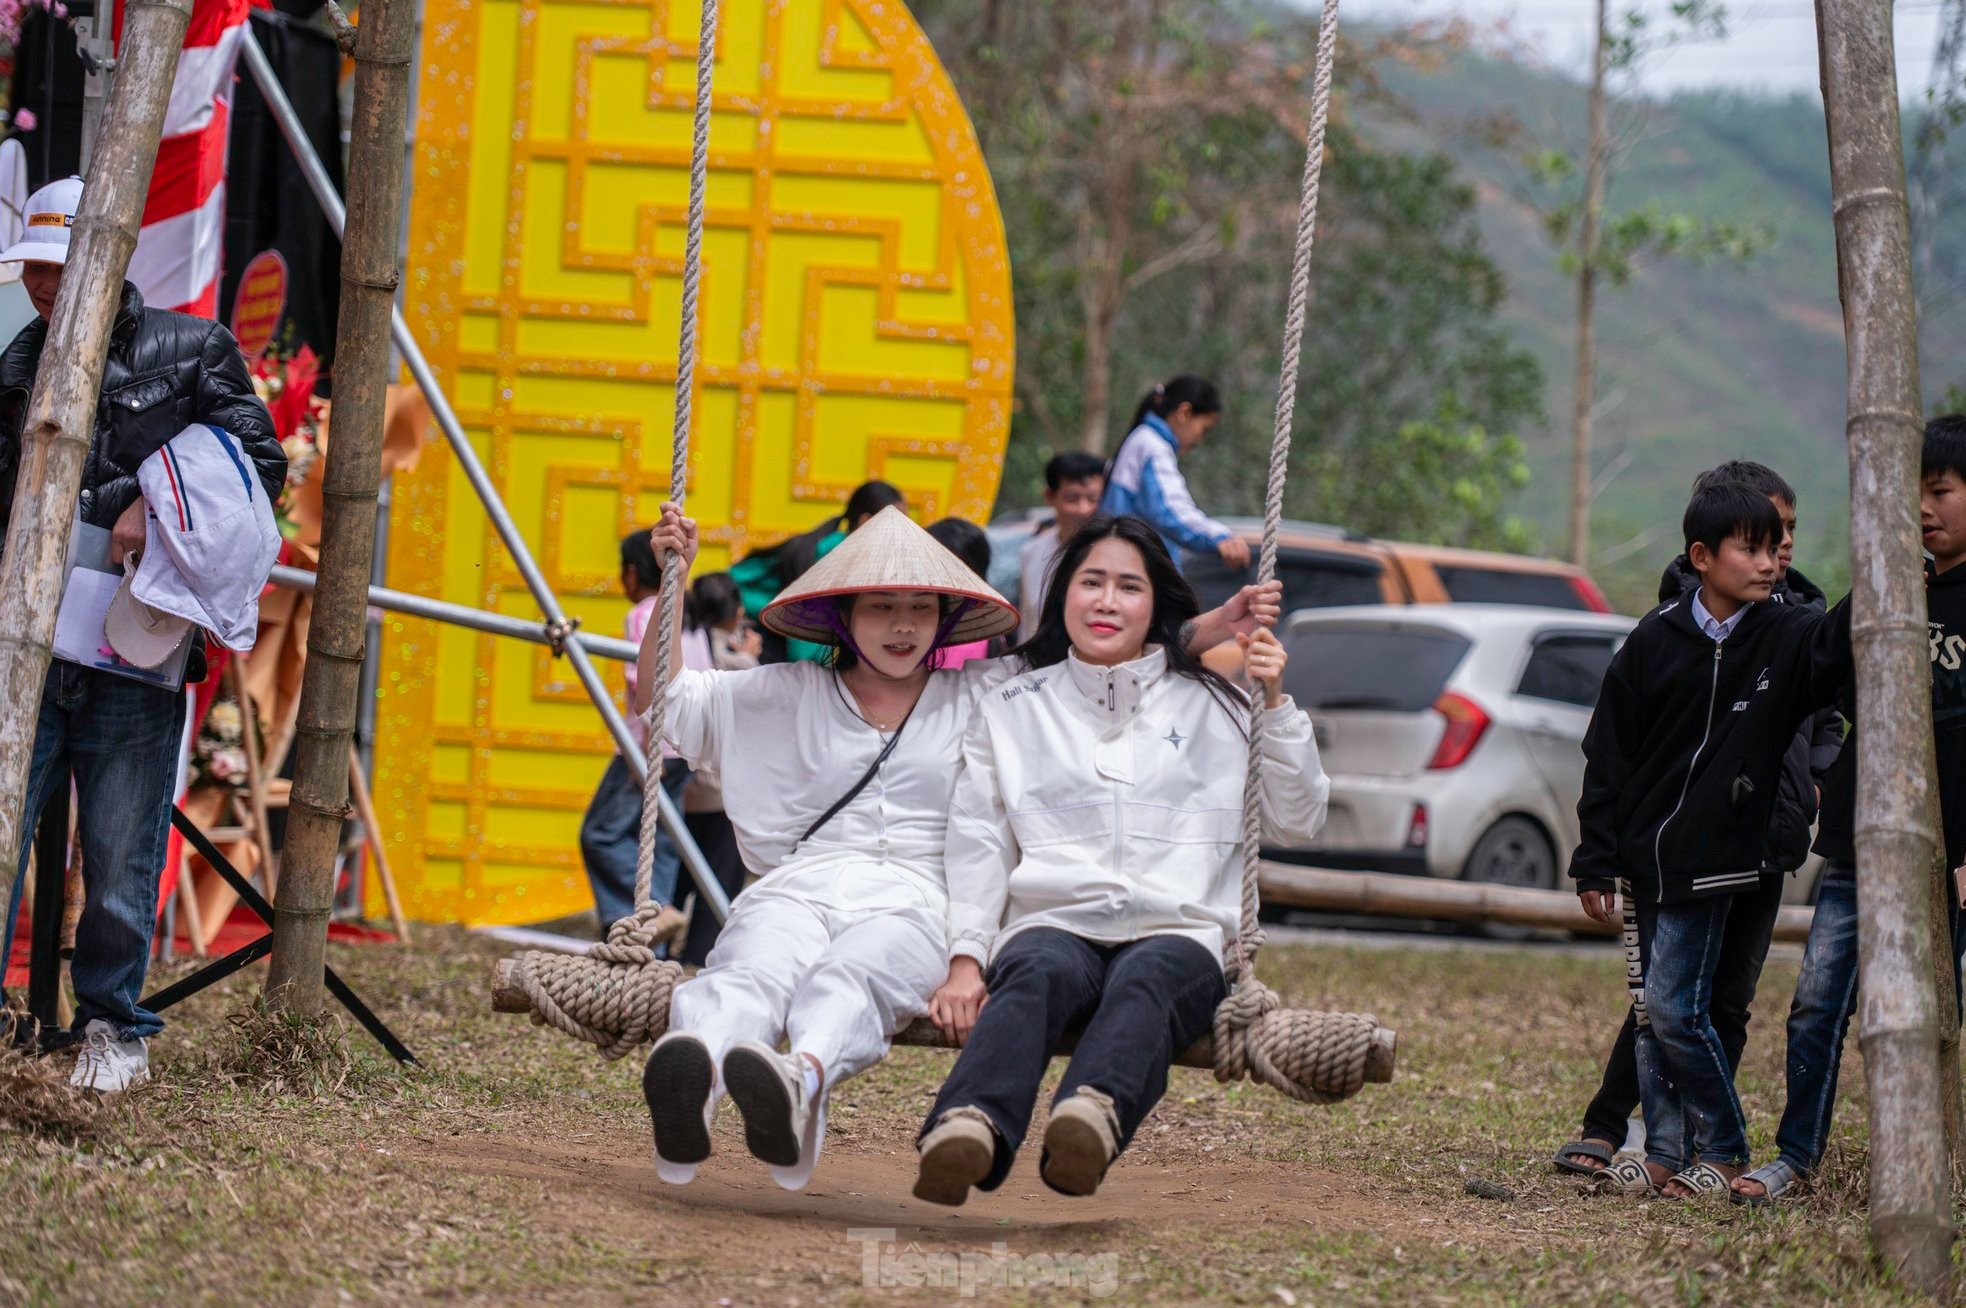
column 1567, row 669
column 1542, row 590
column 1311, row 579
column 1390, row 669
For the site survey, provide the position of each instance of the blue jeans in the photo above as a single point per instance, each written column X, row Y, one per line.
column 610, row 839
column 1685, row 1079
column 1141, row 1003
column 120, row 738
column 1819, row 1018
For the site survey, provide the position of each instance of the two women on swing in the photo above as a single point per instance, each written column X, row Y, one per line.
column 1045, row 842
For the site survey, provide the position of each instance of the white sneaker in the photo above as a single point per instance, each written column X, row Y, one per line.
column 107, row 1065
column 770, row 1090
column 679, row 1086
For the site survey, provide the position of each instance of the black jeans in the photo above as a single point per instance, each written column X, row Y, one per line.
column 1141, row 1004
column 1744, row 948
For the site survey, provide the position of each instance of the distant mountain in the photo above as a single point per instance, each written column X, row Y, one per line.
column 1698, row 363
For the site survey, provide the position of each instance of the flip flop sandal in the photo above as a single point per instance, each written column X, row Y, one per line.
column 1703, row 1179
column 1626, row 1176
column 1776, row 1179
column 1565, row 1162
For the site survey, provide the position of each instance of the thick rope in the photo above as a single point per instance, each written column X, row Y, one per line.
column 1313, row 1057
column 636, row 930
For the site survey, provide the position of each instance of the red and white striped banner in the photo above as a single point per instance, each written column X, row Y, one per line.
column 176, row 264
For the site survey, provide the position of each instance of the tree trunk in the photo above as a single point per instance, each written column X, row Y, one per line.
column 1596, row 164
column 62, row 411
column 384, row 44
column 1910, row 1180
column 1103, row 300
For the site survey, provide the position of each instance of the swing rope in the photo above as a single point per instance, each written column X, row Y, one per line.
column 625, row 1003
column 1312, row 1057
column 616, row 995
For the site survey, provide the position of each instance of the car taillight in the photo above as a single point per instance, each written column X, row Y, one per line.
column 1416, row 831
column 1465, row 724
column 1588, row 592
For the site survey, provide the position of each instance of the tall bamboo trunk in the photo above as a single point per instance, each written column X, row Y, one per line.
column 1584, row 390
column 384, row 45
column 1911, row 1201
column 61, row 414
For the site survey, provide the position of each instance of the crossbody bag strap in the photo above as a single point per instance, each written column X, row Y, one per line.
column 861, row 784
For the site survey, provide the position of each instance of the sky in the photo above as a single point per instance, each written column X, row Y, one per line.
column 1771, row 44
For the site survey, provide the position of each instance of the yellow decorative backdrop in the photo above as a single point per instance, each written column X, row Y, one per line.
column 856, row 323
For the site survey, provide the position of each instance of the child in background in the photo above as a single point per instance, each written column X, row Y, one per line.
column 610, row 833
column 1074, row 482
column 1751, row 920
column 1682, row 760
column 1144, row 478
column 1826, row 992
column 971, row 544
column 718, row 610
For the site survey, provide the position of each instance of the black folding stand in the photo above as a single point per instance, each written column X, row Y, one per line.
column 247, row 955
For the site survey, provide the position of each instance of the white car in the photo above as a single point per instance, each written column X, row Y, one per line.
column 1452, row 733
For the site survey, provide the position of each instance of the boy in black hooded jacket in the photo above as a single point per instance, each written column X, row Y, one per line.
column 1751, row 918
column 1682, row 768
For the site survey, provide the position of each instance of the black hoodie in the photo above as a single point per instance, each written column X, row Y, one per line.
column 1806, row 766
column 1945, row 605
column 1685, row 748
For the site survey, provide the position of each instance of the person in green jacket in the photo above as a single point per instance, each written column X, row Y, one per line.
column 761, row 574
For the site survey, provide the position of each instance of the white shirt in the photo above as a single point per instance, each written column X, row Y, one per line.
column 786, row 741
column 1035, row 560
column 696, row 654
column 1717, row 631
column 1107, row 802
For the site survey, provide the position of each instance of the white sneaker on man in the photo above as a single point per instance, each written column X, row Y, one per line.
column 770, row 1090
column 680, row 1086
column 107, row 1065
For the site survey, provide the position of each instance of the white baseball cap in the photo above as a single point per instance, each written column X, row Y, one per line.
column 48, row 220
column 140, row 634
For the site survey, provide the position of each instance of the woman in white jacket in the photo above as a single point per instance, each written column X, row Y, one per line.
column 836, row 778
column 1094, row 864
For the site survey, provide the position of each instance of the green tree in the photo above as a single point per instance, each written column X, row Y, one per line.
column 1147, row 154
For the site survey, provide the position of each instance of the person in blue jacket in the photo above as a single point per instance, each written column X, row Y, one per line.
column 1144, row 478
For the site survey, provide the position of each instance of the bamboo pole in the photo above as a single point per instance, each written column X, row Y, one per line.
column 1911, row 1201
column 61, row 413
column 384, row 44
column 1380, row 894
column 1597, row 162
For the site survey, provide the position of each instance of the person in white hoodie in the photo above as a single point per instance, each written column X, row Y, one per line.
column 836, row 778
column 1094, row 864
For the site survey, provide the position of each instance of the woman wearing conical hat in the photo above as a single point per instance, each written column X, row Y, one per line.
column 837, row 780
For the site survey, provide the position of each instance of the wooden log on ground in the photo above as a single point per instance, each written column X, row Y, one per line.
column 509, row 997
column 1380, row 894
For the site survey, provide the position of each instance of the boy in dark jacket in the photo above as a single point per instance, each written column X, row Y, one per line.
column 1751, row 920
column 1682, row 767
column 1826, row 992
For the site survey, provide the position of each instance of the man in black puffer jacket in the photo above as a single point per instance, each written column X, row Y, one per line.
column 119, row 736
column 1751, row 925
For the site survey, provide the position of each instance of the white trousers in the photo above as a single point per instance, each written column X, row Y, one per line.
column 831, row 981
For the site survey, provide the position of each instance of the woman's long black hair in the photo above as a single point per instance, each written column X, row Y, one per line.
column 1175, row 606
column 1198, row 393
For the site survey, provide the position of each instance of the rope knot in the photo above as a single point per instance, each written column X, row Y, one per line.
column 615, row 996
column 1315, row 1058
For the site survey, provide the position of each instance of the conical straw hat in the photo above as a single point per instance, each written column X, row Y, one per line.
column 888, row 552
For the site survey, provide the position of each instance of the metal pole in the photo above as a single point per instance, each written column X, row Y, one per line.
column 98, row 52
column 707, row 885
column 497, row 624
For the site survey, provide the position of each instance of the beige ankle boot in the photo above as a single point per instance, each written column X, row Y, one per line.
column 954, row 1156
column 1080, row 1142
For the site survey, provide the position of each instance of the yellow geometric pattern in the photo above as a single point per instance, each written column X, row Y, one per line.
column 856, row 322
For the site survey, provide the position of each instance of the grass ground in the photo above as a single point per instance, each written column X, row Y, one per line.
column 513, row 1167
